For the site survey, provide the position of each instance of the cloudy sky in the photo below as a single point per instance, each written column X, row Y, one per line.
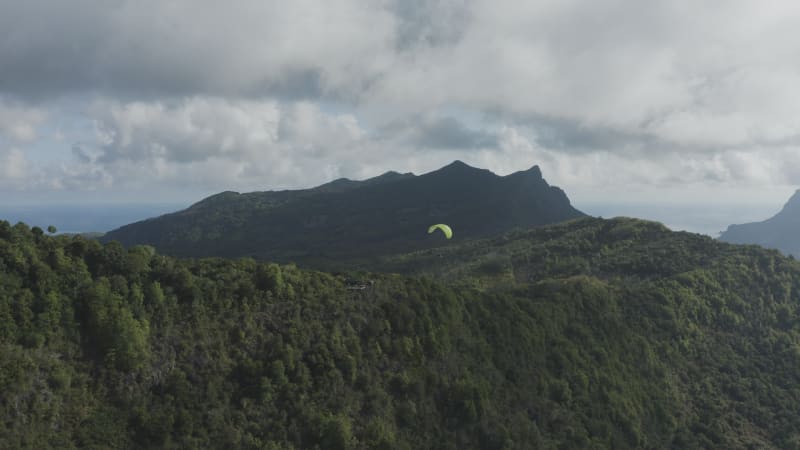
column 617, row 100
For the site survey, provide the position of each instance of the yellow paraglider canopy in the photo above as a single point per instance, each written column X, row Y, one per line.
column 448, row 233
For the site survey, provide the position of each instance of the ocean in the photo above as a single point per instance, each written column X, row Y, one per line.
column 709, row 219
column 84, row 218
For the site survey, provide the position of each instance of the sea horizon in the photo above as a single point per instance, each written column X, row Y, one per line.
column 86, row 218
column 709, row 219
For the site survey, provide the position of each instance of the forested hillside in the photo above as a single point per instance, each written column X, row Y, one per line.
column 589, row 334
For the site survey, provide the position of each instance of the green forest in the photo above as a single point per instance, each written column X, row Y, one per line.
column 588, row 334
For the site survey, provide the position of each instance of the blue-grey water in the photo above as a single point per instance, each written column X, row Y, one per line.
column 709, row 219
column 84, row 218
column 705, row 219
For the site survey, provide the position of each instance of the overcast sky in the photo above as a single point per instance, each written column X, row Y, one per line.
column 617, row 100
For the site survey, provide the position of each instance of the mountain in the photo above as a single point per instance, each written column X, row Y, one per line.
column 782, row 231
column 590, row 333
column 346, row 219
column 345, row 184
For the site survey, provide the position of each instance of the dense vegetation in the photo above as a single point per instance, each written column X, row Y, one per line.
column 346, row 219
column 779, row 231
column 589, row 334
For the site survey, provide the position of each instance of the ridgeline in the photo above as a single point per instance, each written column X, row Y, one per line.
column 781, row 231
column 348, row 220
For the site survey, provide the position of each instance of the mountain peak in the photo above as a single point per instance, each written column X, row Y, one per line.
column 337, row 185
column 458, row 164
column 342, row 184
column 392, row 175
column 216, row 199
column 792, row 207
column 460, row 168
column 358, row 219
column 779, row 231
column 534, row 172
column 340, row 180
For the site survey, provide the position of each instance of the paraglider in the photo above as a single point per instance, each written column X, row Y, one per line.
column 448, row 233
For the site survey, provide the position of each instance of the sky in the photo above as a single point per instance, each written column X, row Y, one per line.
column 618, row 101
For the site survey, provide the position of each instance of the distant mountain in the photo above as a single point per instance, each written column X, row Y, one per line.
column 782, row 231
column 346, row 219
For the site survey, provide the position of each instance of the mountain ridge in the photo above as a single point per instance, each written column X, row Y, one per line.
column 346, row 219
column 781, row 231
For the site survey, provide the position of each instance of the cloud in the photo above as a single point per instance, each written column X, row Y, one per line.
column 19, row 122
column 208, row 141
column 186, row 131
column 219, row 143
column 678, row 73
column 13, row 166
column 265, row 94
column 439, row 133
column 153, row 48
column 429, row 23
column 81, row 155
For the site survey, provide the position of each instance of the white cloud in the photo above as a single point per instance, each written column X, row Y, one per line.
column 191, row 130
column 262, row 94
column 19, row 122
column 15, row 170
column 223, row 143
column 13, row 165
column 684, row 72
column 192, row 47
